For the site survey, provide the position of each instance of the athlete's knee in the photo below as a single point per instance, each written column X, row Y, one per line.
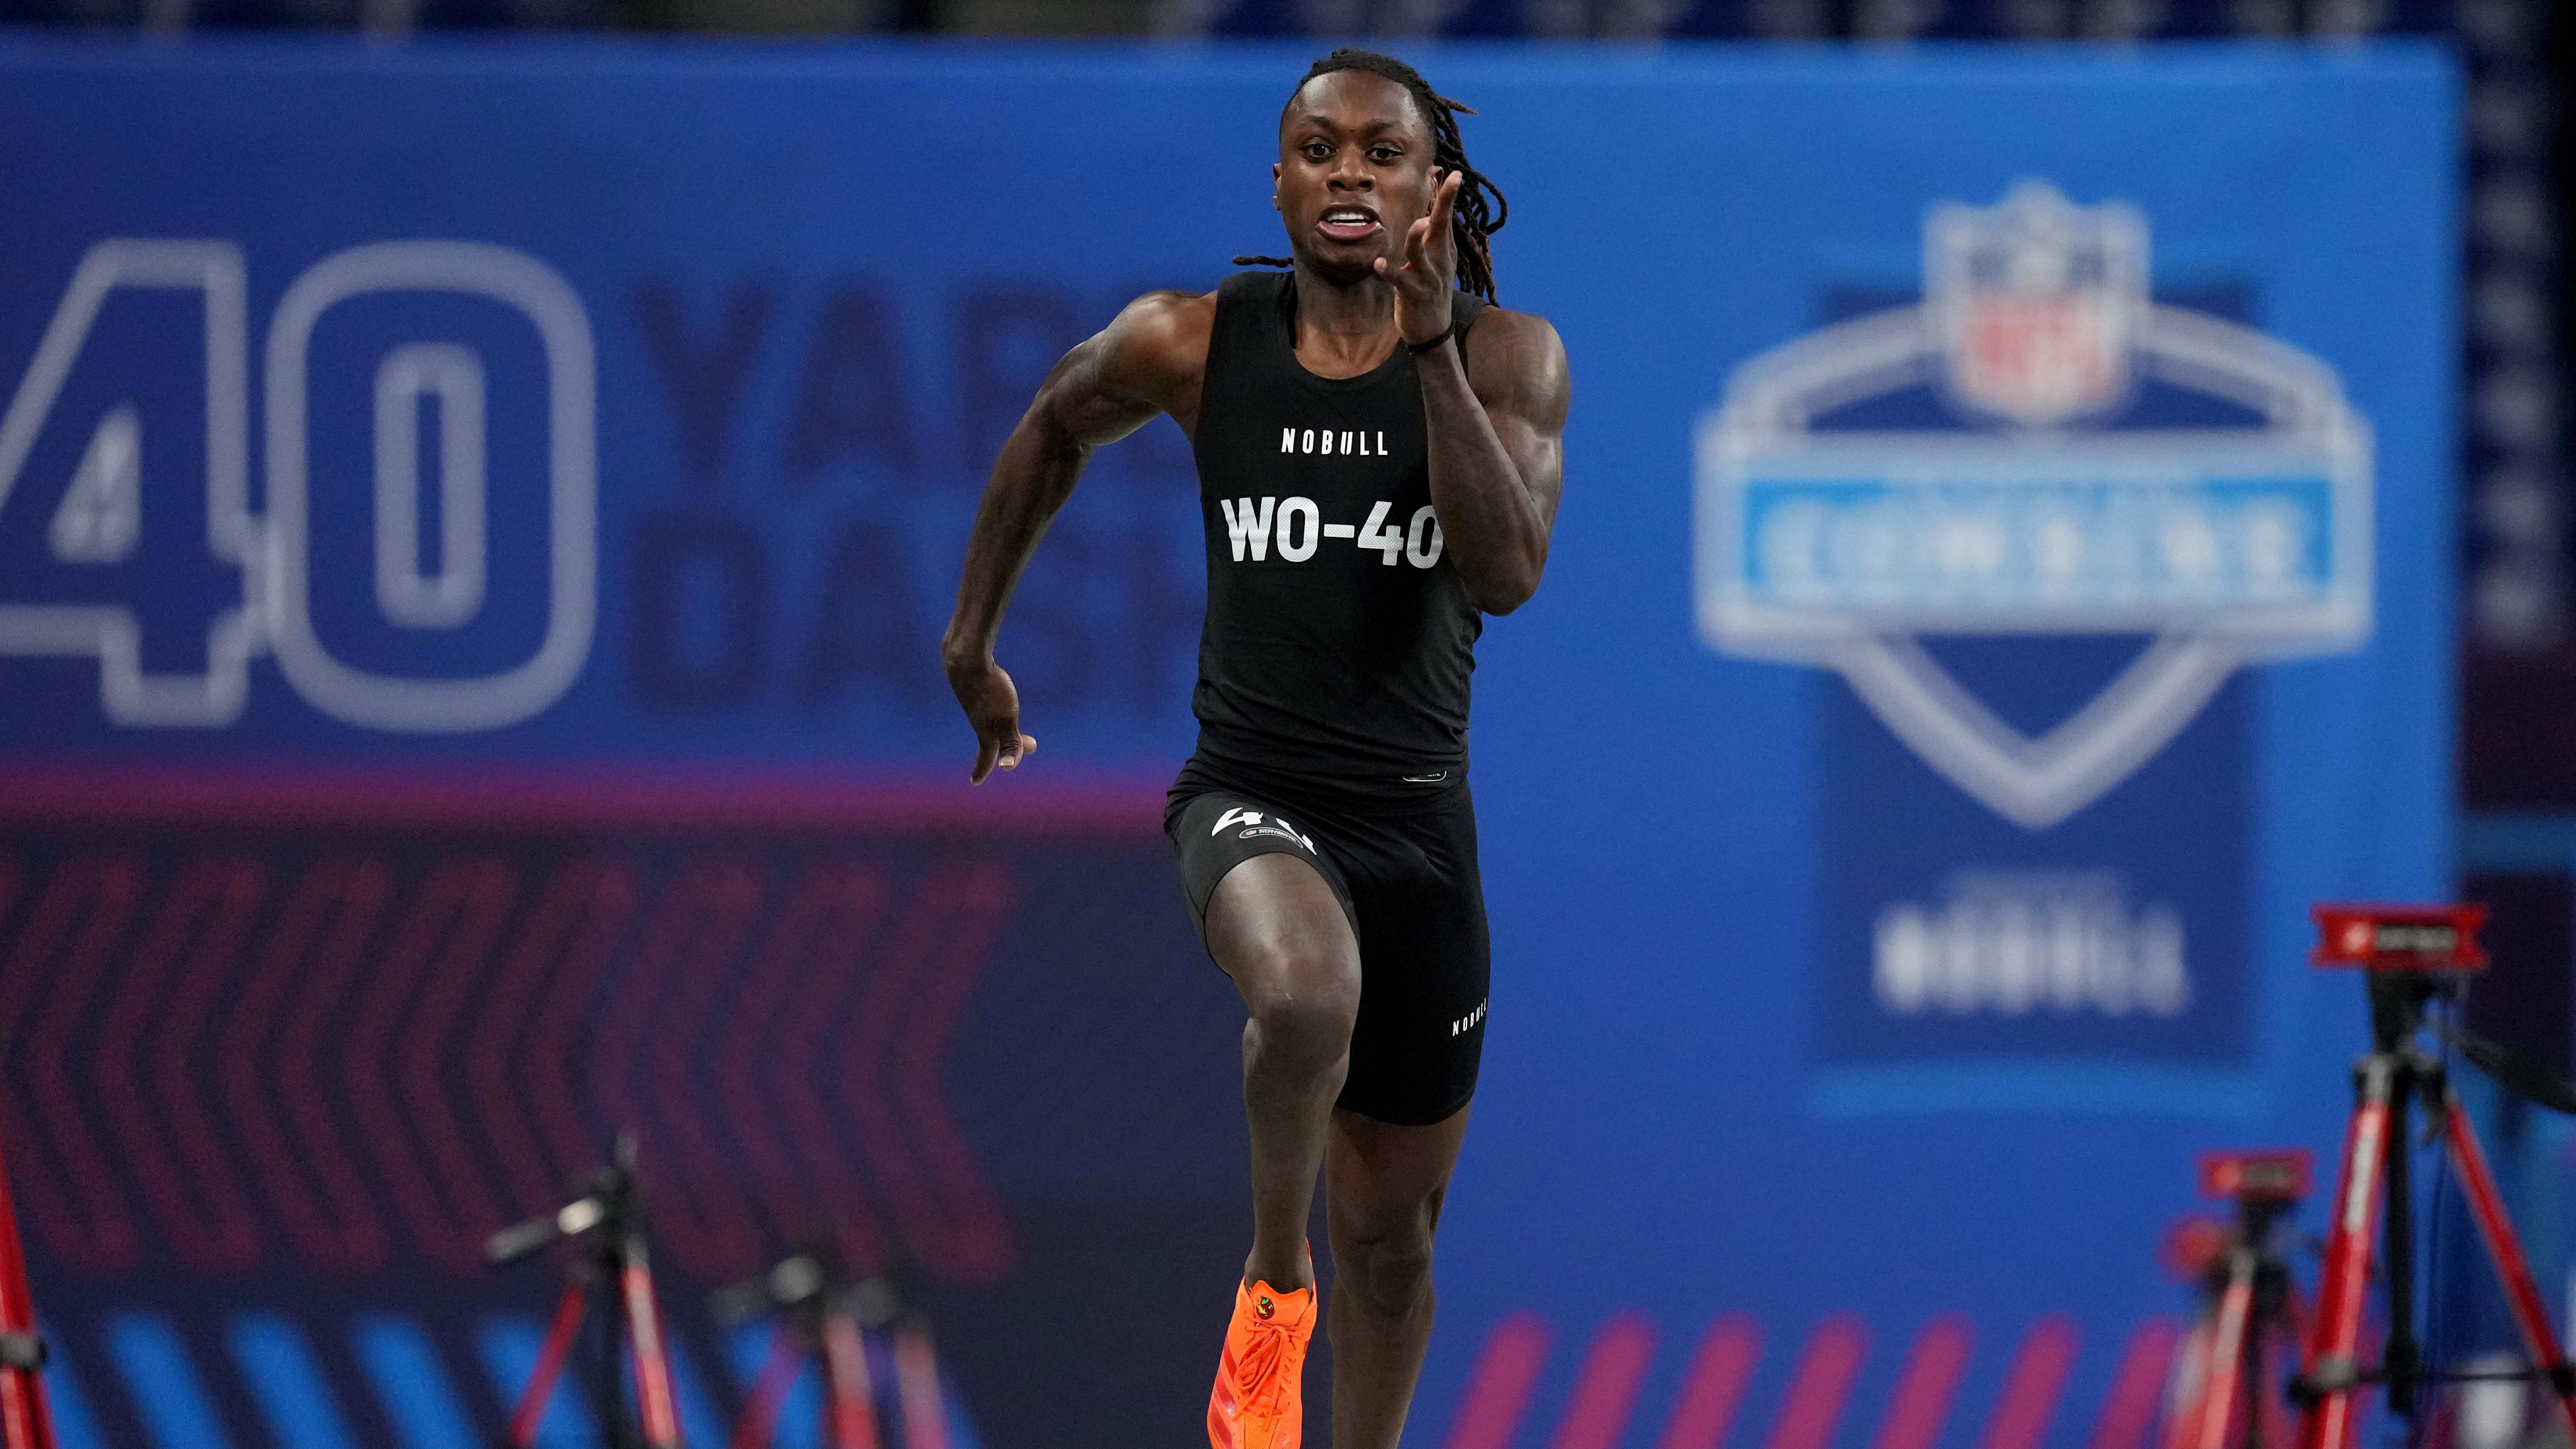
column 1303, row 1003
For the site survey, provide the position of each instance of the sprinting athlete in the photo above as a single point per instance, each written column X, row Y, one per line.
column 1379, row 463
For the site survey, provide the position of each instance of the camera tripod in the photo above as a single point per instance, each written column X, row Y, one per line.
column 23, row 1421
column 2251, row 1318
column 2410, row 956
column 611, row 1269
column 830, row 1319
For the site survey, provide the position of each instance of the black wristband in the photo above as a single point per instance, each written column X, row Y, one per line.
column 1419, row 348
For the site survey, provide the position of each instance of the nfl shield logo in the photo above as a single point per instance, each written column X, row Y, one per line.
column 2035, row 301
column 1828, row 537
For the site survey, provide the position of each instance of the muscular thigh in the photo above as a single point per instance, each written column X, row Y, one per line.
column 1268, row 897
column 1275, row 925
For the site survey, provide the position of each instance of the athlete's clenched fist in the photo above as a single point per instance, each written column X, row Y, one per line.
column 992, row 705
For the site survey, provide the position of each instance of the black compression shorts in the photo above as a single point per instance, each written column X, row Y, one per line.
column 1405, row 872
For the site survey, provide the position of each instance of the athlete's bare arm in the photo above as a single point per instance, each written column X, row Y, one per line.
column 1150, row 360
column 1497, row 448
column 1498, row 453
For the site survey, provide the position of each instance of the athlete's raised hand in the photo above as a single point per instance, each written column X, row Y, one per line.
column 1429, row 276
column 993, row 706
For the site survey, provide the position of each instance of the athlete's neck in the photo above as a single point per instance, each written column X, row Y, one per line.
column 1344, row 330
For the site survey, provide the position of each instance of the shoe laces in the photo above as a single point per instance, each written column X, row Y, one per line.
column 1256, row 1366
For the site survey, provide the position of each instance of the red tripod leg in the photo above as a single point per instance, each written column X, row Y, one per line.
column 550, row 1362
column 851, row 1412
column 2487, row 1205
column 23, row 1421
column 2188, row 1386
column 2332, row 1356
column 925, row 1409
column 2207, row 1421
column 759, row 1421
column 653, row 1397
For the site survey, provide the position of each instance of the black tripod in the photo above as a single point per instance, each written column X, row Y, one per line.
column 612, row 1269
column 829, row 1318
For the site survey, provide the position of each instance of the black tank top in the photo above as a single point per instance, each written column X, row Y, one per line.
column 1338, row 640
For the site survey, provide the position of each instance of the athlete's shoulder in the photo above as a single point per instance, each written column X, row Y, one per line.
column 1514, row 334
column 1162, row 334
column 1517, row 362
column 1167, row 321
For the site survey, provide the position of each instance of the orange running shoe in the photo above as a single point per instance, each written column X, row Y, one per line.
column 1259, row 1398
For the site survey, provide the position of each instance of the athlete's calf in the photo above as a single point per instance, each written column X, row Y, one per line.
column 1384, row 1185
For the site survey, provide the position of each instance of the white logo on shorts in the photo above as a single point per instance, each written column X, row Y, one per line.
column 1240, row 816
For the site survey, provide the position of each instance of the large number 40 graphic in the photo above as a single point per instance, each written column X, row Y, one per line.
column 99, row 516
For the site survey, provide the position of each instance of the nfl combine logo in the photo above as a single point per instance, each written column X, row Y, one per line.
column 1836, row 529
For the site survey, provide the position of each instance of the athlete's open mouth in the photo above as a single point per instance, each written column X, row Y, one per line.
column 1347, row 222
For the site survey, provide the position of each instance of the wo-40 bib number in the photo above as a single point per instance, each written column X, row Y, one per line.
column 1295, row 526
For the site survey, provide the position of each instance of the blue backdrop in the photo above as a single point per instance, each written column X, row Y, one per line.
column 463, row 492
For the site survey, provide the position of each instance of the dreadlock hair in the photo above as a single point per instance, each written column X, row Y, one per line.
column 1479, row 210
